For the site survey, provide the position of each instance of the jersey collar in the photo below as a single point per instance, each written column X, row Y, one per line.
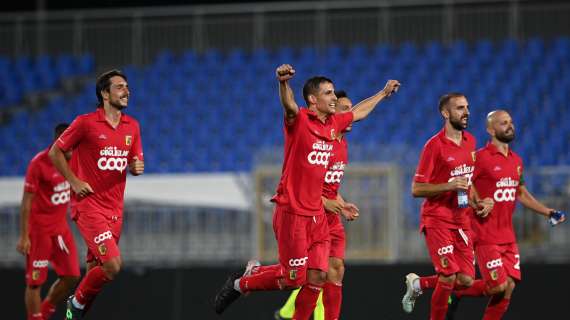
column 101, row 116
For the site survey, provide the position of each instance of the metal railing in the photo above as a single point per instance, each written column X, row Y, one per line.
column 135, row 36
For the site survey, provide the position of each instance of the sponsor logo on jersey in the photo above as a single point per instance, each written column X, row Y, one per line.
column 113, row 159
column 102, row 136
column 40, row 263
column 102, row 249
column 128, row 140
column 35, row 274
column 61, row 194
column 494, row 274
column 320, row 154
column 450, row 158
column 445, row 250
column 497, row 168
column 103, row 236
column 444, row 261
column 293, row 274
column 504, row 195
column 492, row 264
column 298, row 262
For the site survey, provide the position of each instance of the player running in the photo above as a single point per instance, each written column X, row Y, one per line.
column 45, row 236
column 105, row 143
column 299, row 220
column 330, row 300
column 499, row 174
column 443, row 178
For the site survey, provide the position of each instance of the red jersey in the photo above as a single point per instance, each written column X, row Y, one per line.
column 498, row 177
column 337, row 162
column 51, row 195
column 442, row 160
column 308, row 149
column 101, row 155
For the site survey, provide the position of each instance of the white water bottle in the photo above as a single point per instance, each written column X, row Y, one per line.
column 462, row 199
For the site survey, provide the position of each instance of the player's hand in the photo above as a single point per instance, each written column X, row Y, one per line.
column 391, row 86
column 458, row 183
column 350, row 211
column 136, row 166
column 333, row 206
column 81, row 188
column 23, row 245
column 284, row 72
column 556, row 217
column 484, row 207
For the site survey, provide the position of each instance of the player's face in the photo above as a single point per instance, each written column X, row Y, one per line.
column 344, row 105
column 458, row 110
column 326, row 99
column 503, row 127
column 119, row 93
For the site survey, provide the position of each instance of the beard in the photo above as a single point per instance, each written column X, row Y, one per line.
column 117, row 105
column 505, row 137
column 457, row 124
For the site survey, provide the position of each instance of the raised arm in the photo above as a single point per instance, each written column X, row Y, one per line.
column 285, row 72
column 362, row 109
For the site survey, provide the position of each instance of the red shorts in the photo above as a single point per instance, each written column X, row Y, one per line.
column 303, row 243
column 58, row 249
column 497, row 262
column 101, row 235
column 451, row 251
column 337, row 235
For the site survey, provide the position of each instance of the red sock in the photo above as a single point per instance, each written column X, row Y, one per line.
column 306, row 302
column 47, row 309
column 262, row 280
column 332, row 300
column 91, row 285
column 262, row 269
column 496, row 308
column 439, row 300
column 35, row 316
column 428, row 282
column 478, row 289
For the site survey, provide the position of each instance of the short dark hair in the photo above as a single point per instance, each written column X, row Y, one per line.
column 312, row 86
column 104, row 82
column 340, row 94
column 444, row 100
column 59, row 129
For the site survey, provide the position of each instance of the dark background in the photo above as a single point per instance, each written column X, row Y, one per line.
column 370, row 292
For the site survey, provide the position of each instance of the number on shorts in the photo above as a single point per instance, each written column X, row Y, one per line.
column 518, row 263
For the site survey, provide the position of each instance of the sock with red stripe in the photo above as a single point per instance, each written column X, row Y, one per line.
column 91, row 285
column 496, row 308
column 306, row 301
column 48, row 309
column 332, row 300
column 439, row 300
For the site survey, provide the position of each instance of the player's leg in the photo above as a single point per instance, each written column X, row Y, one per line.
column 101, row 236
column 332, row 291
column 318, row 260
column 36, row 274
column 65, row 262
column 509, row 270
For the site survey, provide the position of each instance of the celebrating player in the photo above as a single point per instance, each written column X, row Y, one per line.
column 331, row 298
column 299, row 220
column 45, row 236
column 443, row 178
column 105, row 143
column 499, row 174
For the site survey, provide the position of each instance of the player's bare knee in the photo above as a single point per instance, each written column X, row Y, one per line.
column 34, row 287
column 510, row 287
column 497, row 289
column 69, row 281
column 447, row 278
column 112, row 268
column 316, row 277
column 464, row 280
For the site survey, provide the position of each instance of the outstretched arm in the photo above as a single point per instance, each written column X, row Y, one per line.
column 529, row 201
column 285, row 72
column 363, row 108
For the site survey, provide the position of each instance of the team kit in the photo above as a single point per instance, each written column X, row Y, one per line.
column 469, row 195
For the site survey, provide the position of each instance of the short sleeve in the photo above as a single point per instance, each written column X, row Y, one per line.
column 32, row 180
column 71, row 137
column 426, row 164
column 343, row 120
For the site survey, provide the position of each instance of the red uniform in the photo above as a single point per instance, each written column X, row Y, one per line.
column 446, row 227
column 498, row 177
column 101, row 155
column 50, row 236
column 333, row 178
column 299, row 222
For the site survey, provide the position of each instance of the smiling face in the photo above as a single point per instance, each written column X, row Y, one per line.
column 325, row 99
column 344, row 105
column 118, row 93
column 500, row 126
